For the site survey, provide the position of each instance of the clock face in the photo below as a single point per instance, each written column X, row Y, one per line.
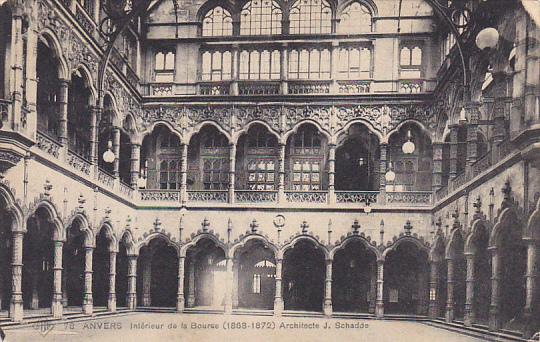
column 279, row 220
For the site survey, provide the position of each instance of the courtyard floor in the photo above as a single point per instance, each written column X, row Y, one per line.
column 199, row 327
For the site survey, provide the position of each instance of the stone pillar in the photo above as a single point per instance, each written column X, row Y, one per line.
column 16, row 306
column 472, row 114
column 331, row 173
column 17, row 61
column 433, row 289
column 469, row 297
column 64, row 289
column 531, row 276
column 146, row 269
column 334, row 87
column 436, row 182
column 281, row 179
column 228, row 286
column 382, row 172
column 449, row 316
column 180, row 293
column 373, row 288
column 327, row 307
column 183, row 174
column 422, row 306
column 453, row 151
column 63, row 111
column 494, row 308
column 284, row 69
column 379, row 304
column 116, row 151
column 233, row 88
column 135, row 164
column 111, row 302
column 235, row 286
column 87, row 299
column 93, row 141
column 232, row 169
column 278, row 299
column 499, row 132
column 191, row 287
column 131, row 299
column 57, row 305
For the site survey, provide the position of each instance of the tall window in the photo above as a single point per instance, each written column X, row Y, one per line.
column 355, row 18
column 217, row 22
column 306, row 160
column 310, row 16
column 169, row 166
column 260, row 17
column 215, row 162
column 164, row 66
column 47, row 90
column 261, row 160
column 354, row 63
column 216, row 66
column 256, row 288
column 78, row 121
column 260, row 65
column 410, row 61
column 309, row 64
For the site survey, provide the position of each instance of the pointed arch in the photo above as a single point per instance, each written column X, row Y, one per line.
column 50, row 38
column 86, row 74
column 369, row 125
column 160, row 236
column 419, row 243
column 253, row 237
column 351, row 238
column 13, row 208
column 455, row 235
column 107, row 227
column 201, row 236
column 85, row 227
column 127, row 238
column 245, row 129
column 532, row 230
column 304, row 237
column 300, row 123
column 504, row 221
column 197, row 129
column 59, row 233
column 478, row 227
column 437, row 251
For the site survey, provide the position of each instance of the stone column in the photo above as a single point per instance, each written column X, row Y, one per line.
column 422, row 306
column 183, row 174
column 87, row 299
column 135, row 163
column 63, row 111
column 331, row 173
column 373, row 288
column 494, row 308
column 278, row 299
column 281, row 179
column 433, row 287
column 449, row 316
column 131, row 299
column 232, row 169
column 436, row 182
column 64, row 289
column 116, row 151
column 111, row 302
column 327, row 307
column 93, row 141
column 469, row 297
column 17, row 64
column 499, row 132
column 334, row 87
column 146, row 269
column 228, row 286
column 57, row 305
column 382, row 172
column 284, row 69
column 191, row 287
column 233, row 88
column 16, row 306
column 235, row 286
column 472, row 114
column 379, row 304
column 453, row 151
column 531, row 288
column 180, row 293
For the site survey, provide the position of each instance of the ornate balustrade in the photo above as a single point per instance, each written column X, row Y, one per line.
column 105, row 179
column 247, row 196
column 356, row 196
column 481, row 165
column 306, row 196
column 411, row 86
column 354, row 87
column 4, row 111
column 48, row 145
column 441, row 193
column 208, row 196
column 126, row 190
column 78, row 163
column 214, row 88
column 459, row 180
column 409, row 197
column 161, row 89
column 83, row 15
column 160, row 195
column 259, row 88
column 309, row 87
column 505, row 147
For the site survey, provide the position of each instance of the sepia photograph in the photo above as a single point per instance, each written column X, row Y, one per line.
column 270, row 170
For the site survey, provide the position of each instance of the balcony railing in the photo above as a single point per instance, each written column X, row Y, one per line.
column 354, row 87
column 249, row 196
column 306, row 196
column 409, row 197
column 208, row 196
column 161, row 89
column 105, row 179
column 309, row 87
column 356, row 196
column 259, row 88
column 78, row 163
column 214, row 88
column 481, row 165
column 126, row 189
column 48, row 145
column 160, row 195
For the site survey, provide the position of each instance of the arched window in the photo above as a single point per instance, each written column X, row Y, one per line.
column 260, row 17
column 355, row 18
column 5, row 42
column 79, row 115
column 217, row 22
column 48, row 89
column 310, row 17
column 306, row 161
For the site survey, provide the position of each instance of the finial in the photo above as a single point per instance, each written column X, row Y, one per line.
column 408, row 227
column 81, row 201
column 355, row 227
column 305, row 227
column 157, row 224
column 47, row 187
column 205, row 224
column 507, row 189
column 477, row 205
column 254, row 225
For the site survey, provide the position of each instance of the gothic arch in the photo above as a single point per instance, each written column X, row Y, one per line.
column 109, row 234
column 50, row 208
column 476, row 228
column 342, row 131
column 417, row 123
column 532, row 230
column 344, row 242
column 116, row 117
column 310, row 238
column 151, row 128
column 252, row 237
column 449, row 251
column 504, row 221
column 300, row 123
column 202, row 124
column 208, row 5
column 86, row 228
column 368, row 3
column 419, row 243
column 127, row 238
column 245, row 129
column 200, row 236
column 13, row 208
column 86, row 74
column 437, row 251
column 53, row 42
column 161, row 236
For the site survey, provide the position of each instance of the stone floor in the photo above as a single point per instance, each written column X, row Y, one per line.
column 196, row 327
